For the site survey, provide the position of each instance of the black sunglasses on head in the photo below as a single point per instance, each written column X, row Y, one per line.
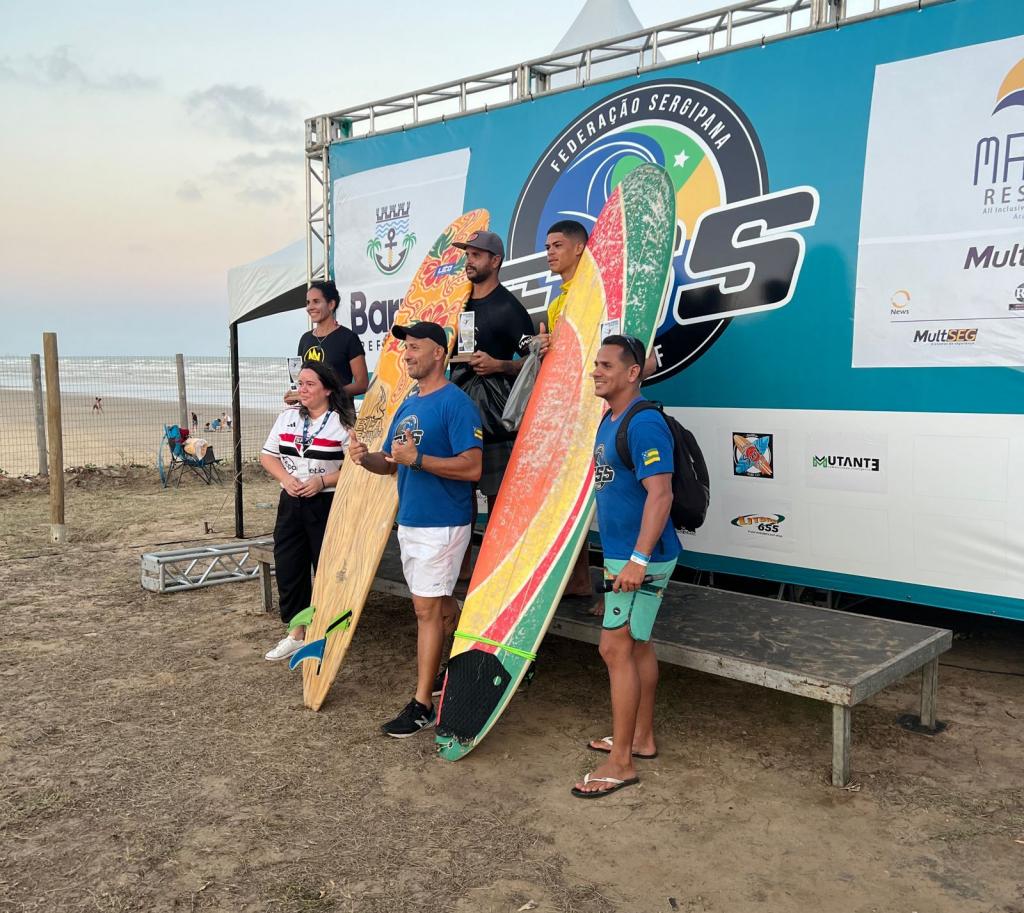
column 635, row 346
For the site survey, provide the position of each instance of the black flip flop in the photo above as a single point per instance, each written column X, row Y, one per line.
column 608, row 739
column 617, row 784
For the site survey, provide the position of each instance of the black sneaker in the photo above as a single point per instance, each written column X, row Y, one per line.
column 439, row 681
column 410, row 721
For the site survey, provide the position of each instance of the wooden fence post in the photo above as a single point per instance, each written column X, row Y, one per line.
column 182, row 399
column 58, row 532
column 37, row 402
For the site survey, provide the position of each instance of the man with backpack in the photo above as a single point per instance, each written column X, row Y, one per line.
column 634, row 507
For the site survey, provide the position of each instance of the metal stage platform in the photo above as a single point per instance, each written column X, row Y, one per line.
column 831, row 656
column 836, row 657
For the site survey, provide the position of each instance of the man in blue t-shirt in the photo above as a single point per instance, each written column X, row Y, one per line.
column 435, row 445
column 640, row 552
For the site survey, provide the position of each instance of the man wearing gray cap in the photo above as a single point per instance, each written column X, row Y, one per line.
column 434, row 446
column 503, row 330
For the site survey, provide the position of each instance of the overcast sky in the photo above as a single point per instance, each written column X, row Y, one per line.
column 147, row 147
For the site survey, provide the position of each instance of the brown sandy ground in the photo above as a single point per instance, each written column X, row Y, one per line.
column 150, row 760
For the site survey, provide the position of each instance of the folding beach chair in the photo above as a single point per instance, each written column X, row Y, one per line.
column 204, row 467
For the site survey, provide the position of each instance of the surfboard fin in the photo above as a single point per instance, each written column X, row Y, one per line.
column 313, row 650
column 304, row 617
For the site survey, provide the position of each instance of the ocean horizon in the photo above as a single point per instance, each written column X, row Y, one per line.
column 262, row 380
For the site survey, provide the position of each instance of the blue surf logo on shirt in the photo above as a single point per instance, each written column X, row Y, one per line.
column 411, row 425
column 603, row 473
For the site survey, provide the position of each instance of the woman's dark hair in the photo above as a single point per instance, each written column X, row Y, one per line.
column 329, row 291
column 337, row 399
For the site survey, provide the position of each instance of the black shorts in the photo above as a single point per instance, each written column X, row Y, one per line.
column 496, row 457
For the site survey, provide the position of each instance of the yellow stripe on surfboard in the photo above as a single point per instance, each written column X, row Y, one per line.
column 511, row 574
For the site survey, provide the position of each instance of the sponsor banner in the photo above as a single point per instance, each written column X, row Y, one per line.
column 940, row 273
column 753, row 454
column 846, row 462
column 757, row 523
column 906, row 497
column 384, row 221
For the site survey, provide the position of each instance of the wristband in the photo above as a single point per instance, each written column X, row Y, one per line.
column 640, row 558
column 418, row 462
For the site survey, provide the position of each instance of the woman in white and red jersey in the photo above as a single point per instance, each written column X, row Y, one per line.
column 304, row 453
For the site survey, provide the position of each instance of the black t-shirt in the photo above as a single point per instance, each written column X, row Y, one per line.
column 501, row 324
column 503, row 328
column 337, row 348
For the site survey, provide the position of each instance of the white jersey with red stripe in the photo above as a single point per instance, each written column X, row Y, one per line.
column 308, row 447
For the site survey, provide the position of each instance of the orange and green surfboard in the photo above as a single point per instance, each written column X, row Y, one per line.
column 365, row 504
column 543, row 512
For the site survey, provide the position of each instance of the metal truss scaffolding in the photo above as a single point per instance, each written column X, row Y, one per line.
column 743, row 24
column 206, row 565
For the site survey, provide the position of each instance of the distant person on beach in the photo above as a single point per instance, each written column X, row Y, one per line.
column 434, row 445
column 640, row 551
column 215, row 425
column 206, row 427
column 195, row 422
column 97, row 405
column 331, row 343
column 304, row 453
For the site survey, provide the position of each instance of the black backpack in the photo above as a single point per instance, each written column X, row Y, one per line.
column 691, row 486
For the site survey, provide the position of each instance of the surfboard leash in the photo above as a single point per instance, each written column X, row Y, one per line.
column 480, row 639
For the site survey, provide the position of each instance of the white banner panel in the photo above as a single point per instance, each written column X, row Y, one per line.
column 929, row 498
column 385, row 221
column 940, row 272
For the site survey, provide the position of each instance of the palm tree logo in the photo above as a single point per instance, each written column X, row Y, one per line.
column 392, row 241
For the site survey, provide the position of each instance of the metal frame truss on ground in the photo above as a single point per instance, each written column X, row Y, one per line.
column 743, row 24
column 205, row 565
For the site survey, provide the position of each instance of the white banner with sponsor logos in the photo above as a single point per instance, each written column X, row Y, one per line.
column 916, row 497
column 940, row 273
column 385, row 220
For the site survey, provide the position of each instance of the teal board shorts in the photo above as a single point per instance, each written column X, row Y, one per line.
column 638, row 609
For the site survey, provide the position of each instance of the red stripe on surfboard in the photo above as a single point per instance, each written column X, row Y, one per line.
column 608, row 246
column 501, row 626
column 562, row 381
column 544, row 436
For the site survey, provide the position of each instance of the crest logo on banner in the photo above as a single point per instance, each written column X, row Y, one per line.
column 736, row 252
column 392, row 241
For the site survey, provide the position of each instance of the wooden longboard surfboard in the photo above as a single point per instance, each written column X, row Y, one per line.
column 365, row 504
column 545, row 505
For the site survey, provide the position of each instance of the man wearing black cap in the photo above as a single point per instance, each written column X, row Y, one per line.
column 503, row 330
column 434, row 445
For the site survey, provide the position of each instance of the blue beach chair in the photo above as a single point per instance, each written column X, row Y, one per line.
column 204, row 468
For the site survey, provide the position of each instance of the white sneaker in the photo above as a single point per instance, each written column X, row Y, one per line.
column 285, row 648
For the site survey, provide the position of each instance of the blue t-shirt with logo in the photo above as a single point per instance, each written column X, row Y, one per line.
column 620, row 495
column 442, row 424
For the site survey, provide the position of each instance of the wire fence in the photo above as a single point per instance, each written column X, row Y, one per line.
column 114, row 409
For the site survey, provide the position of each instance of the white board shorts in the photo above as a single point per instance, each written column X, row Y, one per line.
column 432, row 556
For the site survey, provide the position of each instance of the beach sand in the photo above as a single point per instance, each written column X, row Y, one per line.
column 127, row 432
column 153, row 761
